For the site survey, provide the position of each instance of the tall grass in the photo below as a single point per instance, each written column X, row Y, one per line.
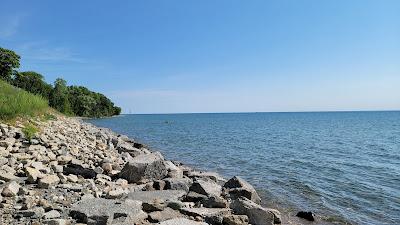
column 15, row 102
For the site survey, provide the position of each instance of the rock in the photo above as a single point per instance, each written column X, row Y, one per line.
column 144, row 168
column 114, row 194
column 32, row 174
column 235, row 219
column 79, row 170
column 208, row 188
column 48, row 181
column 239, row 187
column 105, row 211
column 173, row 170
column 159, row 184
column 11, row 189
column 205, row 212
column 151, row 196
column 107, row 167
column 207, row 175
column 166, row 214
column 72, row 178
column 57, row 168
column 195, row 197
column 8, row 142
column 153, row 206
column 257, row 214
column 7, row 176
column 306, row 215
column 178, row 184
column 126, row 147
column 52, row 214
column 57, row 222
column 36, row 212
column 181, row 221
column 214, row 202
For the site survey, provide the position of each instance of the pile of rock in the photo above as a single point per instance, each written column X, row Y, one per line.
column 74, row 172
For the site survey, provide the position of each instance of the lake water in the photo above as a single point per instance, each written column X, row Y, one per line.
column 344, row 166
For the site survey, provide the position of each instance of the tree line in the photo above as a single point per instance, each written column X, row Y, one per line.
column 70, row 100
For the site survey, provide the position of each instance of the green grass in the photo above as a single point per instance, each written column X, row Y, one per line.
column 15, row 103
column 30, row 131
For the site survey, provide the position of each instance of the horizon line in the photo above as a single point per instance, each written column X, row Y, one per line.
column 316, row 111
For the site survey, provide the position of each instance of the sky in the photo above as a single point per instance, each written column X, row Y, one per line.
column 171, row 56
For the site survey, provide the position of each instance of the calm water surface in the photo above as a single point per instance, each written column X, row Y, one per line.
column 345, row 166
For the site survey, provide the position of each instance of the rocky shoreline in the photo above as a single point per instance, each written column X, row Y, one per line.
column 75, row 173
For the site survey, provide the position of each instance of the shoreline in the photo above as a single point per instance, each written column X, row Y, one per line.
column 75, row 166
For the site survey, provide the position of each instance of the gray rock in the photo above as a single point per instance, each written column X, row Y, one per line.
column 240, row 188
column 205, row 212
column 126, row 147
column 144, row 168
column 181, row 221
column 11, row 189
column 57, row 222
column 166, row 214
column 178, row 184
column 207, row 175
column 214, row 202
column 256, row 213
column 105, row 211
column 151, row 196
column 52, row 214
column 206, row 187
column 235, row 219
column 173, row 170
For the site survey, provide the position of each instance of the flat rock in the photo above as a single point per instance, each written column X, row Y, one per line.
column 206, row 187
column 205, row 212
column 151, row 196
column 166, row 214
column 144, row 168
column 181, row 221
column 57, row 222
column 105, row 211
column 7, row 176
column 47, row 181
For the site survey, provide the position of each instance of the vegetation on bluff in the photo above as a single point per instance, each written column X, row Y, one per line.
column 70, row 100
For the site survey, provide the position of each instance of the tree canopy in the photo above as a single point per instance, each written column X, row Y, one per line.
column 9, row 61
column 71, row 100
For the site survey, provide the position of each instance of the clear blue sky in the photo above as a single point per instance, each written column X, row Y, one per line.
column 215, row 55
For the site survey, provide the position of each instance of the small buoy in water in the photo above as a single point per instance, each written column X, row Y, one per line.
column 306, row 215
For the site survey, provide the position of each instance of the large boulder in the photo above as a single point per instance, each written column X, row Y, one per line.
column 144, row 168
column 240, row 188
column 206, row 187
column 104, row 211
column 257, row 214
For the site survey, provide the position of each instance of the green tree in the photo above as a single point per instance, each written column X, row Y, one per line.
column 9, row 61
column 32, row 82
column 59, row 97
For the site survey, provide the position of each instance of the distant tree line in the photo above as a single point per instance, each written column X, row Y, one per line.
column 70, row 100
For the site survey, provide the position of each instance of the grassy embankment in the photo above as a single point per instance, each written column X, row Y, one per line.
column 17, row 105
